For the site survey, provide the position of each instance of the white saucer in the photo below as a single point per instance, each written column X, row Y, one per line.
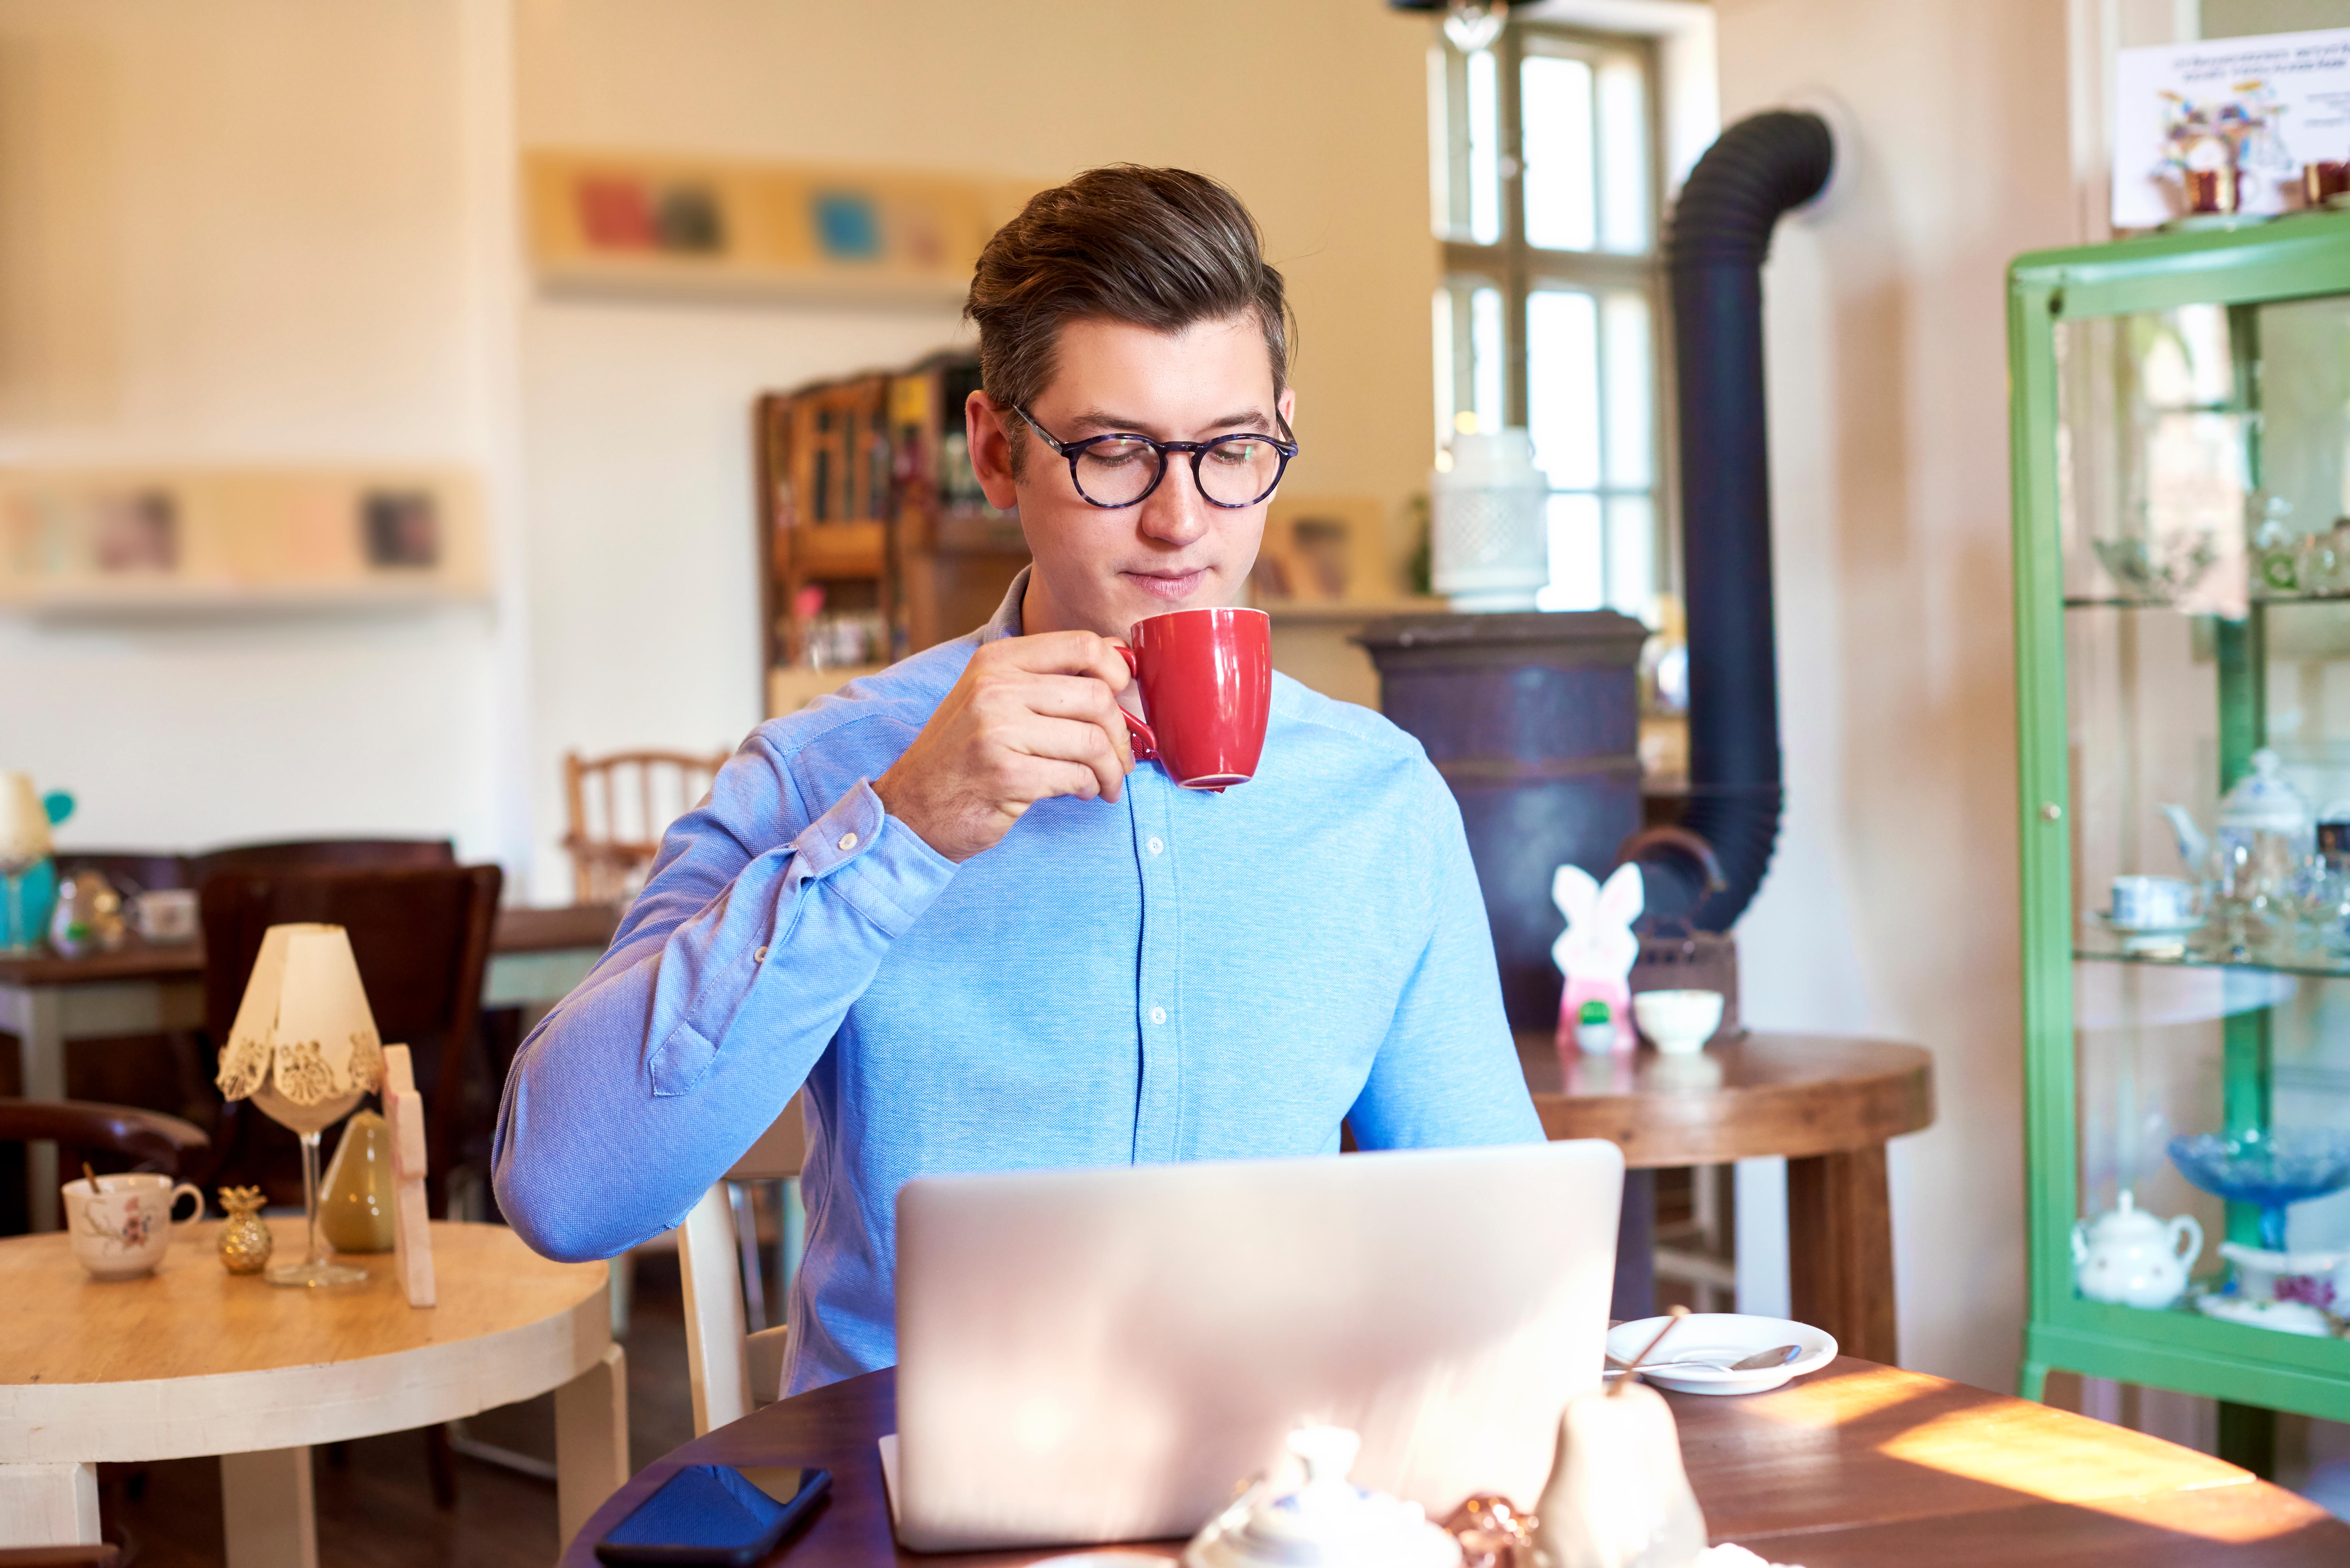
column 1722, row 1337
column 2149, row 933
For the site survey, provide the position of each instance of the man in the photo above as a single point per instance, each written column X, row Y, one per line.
column 949, row 902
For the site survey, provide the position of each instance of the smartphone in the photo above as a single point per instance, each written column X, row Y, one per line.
column 717, row 1514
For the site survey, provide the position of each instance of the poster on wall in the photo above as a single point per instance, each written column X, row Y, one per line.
column 2261, row 106
column 641, row 222
column 135, row 540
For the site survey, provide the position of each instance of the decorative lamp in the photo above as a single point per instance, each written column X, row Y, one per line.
column 25, row 819
column 304, row 1051
column 1490, row 537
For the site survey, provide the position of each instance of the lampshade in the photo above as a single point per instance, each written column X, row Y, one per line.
column 24, row 822
column 303, row 1047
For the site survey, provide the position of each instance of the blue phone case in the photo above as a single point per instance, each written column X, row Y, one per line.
column 711, row 1514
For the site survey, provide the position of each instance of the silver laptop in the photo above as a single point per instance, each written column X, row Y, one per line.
column 1097, row 1355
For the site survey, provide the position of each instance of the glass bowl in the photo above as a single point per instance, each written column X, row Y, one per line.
column 2271, row 1169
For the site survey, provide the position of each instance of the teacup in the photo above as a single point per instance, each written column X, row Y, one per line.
column 122, row 1229
column 165, row 915
column 1207, row 680
column 1678, row 1022
column 2154, row 903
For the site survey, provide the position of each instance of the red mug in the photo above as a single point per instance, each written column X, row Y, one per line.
column 1207, row 678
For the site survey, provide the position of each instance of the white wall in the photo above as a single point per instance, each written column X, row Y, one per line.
column 1891, row 907
column 252, row 232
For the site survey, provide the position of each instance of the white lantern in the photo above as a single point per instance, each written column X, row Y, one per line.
column 1491, row 546
column 304, row 1049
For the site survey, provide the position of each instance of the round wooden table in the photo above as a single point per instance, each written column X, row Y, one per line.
column 194, row 1360
column 1826, row 1102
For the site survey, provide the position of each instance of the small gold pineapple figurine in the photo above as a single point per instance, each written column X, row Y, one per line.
column 245, row 1239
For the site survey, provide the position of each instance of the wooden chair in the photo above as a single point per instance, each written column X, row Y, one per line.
column 733, row 1367
column 422, row 937
column 619, row 806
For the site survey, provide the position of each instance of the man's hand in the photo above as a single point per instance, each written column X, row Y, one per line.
column 1032, row 717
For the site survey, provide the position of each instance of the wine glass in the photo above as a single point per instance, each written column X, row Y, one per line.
column 317, row 1267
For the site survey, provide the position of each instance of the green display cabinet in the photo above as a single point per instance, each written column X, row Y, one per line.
column 2181, row 458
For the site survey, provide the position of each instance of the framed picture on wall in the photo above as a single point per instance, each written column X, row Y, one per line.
column 1323, row 550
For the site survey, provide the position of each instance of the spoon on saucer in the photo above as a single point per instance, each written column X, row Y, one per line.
column 1760, row 1361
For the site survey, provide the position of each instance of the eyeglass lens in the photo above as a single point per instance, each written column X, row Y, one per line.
column 1237, row 470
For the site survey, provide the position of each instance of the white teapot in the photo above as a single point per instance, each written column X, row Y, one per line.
column 2132, row 1259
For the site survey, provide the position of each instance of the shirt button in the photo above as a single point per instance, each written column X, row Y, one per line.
column 1156, row 847
column 848, row 841
column 759, row 957
column 1158, row 1015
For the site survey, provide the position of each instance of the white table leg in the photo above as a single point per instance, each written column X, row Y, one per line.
column 36, row 1015
column 591, row 1442
column 268, row 1517
column 49, row 1505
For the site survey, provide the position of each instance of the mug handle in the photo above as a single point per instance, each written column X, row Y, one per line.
column 1146, row 745
column 2186, row 1225
column 192, row 1190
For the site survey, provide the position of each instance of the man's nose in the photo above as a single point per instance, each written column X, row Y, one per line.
column 1176, row 513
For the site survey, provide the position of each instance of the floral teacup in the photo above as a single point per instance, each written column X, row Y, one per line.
column 121, row 1229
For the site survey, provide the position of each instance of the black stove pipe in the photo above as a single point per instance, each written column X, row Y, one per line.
column 1720, row 233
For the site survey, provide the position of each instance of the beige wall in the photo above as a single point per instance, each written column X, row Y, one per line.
column 256, row 231
column 636, row 412
column 1892, row 904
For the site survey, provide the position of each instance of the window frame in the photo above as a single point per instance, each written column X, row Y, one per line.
column 1518, row 269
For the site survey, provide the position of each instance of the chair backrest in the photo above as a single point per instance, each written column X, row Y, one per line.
column 321, row 853
column 421, row 938
column 619, row 806
column 147, row 1138
column 725, row 1362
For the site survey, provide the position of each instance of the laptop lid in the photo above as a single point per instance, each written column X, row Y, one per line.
column 1095, row 1355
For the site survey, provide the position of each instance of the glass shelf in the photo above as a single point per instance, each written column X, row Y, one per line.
column 2100, row 947
column 2338, row 596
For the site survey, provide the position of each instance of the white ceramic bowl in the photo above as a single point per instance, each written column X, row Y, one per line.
column 1678, row 1022
column 1723, row 1337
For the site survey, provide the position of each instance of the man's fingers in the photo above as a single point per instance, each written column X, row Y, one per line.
column 1075, row 741
column 1062, row 653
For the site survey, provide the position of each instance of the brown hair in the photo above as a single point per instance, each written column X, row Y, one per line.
column 1162, row 248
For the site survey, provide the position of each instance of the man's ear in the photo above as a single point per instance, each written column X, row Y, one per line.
column 987, row 428
column 1287, row 404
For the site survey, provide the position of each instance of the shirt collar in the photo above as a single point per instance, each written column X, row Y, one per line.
column 1005, row 621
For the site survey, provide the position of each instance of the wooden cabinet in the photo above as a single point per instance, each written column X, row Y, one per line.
column 875, row 540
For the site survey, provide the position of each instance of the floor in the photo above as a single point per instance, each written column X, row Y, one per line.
column 375, row 1507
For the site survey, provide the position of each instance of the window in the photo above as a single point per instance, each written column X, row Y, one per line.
column 1546, row 196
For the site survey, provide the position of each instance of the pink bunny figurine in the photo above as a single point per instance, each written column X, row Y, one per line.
column 1597, row 950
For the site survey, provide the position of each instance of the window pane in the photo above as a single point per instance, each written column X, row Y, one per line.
column 1563, row 386
column 1631, row 555
column 1489, row 350
column 1445, row 187
column 1631, row 415
column 1484, row 150
column 1554, row 108
column 1623, row 157
column 1577, row 556
column 1447, row 381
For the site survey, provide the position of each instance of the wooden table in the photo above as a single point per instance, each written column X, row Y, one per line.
column 192, row 1360
column 537, row 956
column 1858, row 1464
column 1826, row 1102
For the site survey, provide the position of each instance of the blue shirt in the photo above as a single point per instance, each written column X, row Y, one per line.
column 1175, row 975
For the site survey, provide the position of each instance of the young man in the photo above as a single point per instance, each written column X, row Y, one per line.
column 949, row 902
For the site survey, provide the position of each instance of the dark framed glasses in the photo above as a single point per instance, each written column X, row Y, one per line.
column 1117, row 470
